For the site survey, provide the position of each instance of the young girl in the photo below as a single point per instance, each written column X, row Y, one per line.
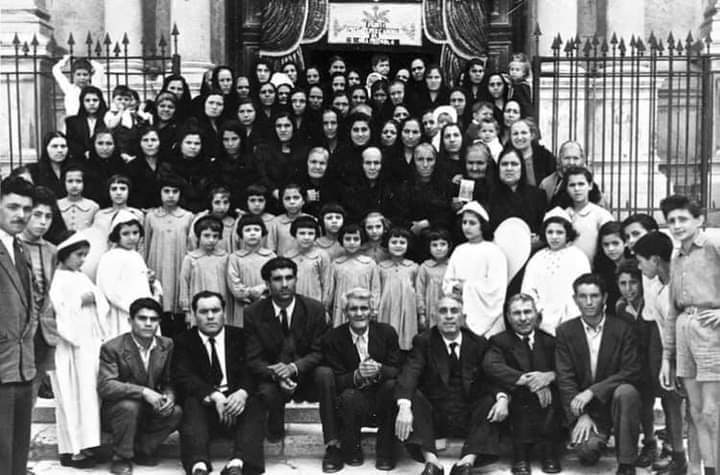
column 349, row 271
column 166, row 231
column 477, row 270
column 81, row 125
column 81, row 313
column 551, row 271
column 255, row 199
column 376, row 227
column 122, row 275
column 279, row 238
column 243, row 270
column 219, row 206
column 398, row 300
column 313, row 264
column 205, row 268
column 611, row 241
column 332, row 218
column 519, row 72
column 428, row 285
column 77, row 211
column 587, row 217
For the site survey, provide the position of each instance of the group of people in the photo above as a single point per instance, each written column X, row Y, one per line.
column 331, row 239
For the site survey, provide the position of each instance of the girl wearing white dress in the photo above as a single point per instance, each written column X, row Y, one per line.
column 477, row 270
column 550, row 273
column 81, row 312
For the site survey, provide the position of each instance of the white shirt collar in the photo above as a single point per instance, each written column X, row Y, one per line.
column 530, row 337
column 220, row 337
column 289, row 309
column 457, row 340
column 591, row 330
column 355, row 336
column 8, row 240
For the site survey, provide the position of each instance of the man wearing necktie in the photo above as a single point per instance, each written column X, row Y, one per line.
column 521, row 360
column 442, row 392
column 365, row 357
column 217, row 391
column 17, row 328
column 597, row 368
column 284, row 334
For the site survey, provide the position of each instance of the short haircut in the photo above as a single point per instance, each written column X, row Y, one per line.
column 673, row 202
column 654, row 243
column 291, row 186
column 319, row 151
column 328, row 208
column 277, row 263
column 519, row 297
column 492, row 122
column 477, row 106
column 397, row 231
column 647, row 222
column 17, row 186
column 44, row 196
column 628, row 266
column 207, row 222
column 114, row 235
column 206, row 294
column 578, row 171
column 590, row 279
column 360, row 293
column 570, row 231
column 570, row 143
column 352, row 228
column 610, row 228
column 145, row 303
column 250, row 220
column 118, row 178
column 304, row 222
column 121, row 90
column 81, row 63
column 439, row 234
column 72, row 168
column 256, row 190
column 378, row 57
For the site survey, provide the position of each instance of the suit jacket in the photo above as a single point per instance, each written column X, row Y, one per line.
column 618, row 361
column 191, row 364
column 427, row 368
column 267, row 346
column 46, row 318
column 506, row 359
column 17, row 323
column 342, row 356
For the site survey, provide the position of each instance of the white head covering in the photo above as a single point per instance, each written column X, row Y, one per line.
column 75, row 238
column 121, row 217
column 281, row 78
column 477, row 208
column 557, row 212
column 450, row 110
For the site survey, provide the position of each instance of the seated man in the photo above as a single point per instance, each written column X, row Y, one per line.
column 597, row 369
column 134, row 383
column 214, row 383
column 442, row 392
column 284, row 335
column 522, row 361
column 365, row 357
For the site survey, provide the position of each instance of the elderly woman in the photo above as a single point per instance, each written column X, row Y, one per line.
column 539, row 161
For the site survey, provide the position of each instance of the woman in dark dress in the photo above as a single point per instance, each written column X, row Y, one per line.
column 143, row 171
column 103, row 162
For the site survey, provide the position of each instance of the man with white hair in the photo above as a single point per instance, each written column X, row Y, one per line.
column 365, row 358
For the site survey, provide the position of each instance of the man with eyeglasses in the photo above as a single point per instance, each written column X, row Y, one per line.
column 134, row 383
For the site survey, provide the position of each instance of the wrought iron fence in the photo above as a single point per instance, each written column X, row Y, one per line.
column 31, row 103
column 641, row 108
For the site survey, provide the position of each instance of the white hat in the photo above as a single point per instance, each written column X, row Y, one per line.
column 281, row 78
column 445, row 110
column 76, row 238
column 557, row 212
column 477, row 208
column 121, row 217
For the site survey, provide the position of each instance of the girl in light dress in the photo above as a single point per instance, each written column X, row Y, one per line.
column 550, row 273
column 332, row 218
column 218, row 206
column 398, row 300
column 122, row 275
column 428, row 285
column 243, row 271
column 376, row 227
column 477, row 271
column 81, row 315
column 354, row 269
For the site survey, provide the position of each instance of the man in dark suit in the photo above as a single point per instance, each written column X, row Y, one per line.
column 597, row 368
column 521, row 360
column 442, row 392
column 18, row 324
column 284, row 349
column 134, row 383
column 211, row 375
column 365, row 357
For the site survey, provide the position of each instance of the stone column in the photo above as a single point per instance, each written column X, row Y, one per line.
column 125, row 17
column 193, row 20
column 556, row 16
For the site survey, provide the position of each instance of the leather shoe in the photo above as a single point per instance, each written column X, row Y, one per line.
column 88, row 462
column 551, row 465
column 521, row 468
column 234, row 470
column 672, row 467
column 385, row 464
column 464, row 469
column 333, row 460
column 121, row 467
column 625, row 469
column 355, row 458
column 432, row 469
